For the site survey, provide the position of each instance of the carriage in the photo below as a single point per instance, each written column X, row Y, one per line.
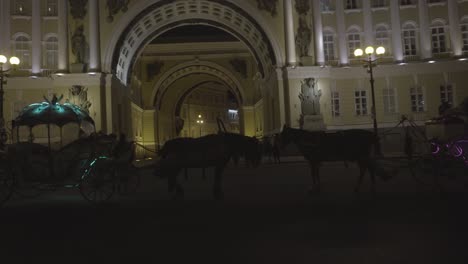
column 85, row 162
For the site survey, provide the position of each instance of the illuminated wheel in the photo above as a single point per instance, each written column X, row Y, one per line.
column 129, row 181
column 98, row 184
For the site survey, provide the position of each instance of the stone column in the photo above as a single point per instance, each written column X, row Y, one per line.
column 5, row 37
column 320, row 56
column 368, row 27
column 340, row 24
column 36, row 39
column 289, row 33
column 397, row 45
column 455, row 32
column 94, row 37
column 63, row 59
column 424, row 30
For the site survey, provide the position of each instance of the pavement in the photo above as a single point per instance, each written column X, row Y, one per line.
column 267, row 216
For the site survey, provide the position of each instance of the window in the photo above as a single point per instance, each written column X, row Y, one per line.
column 379, row 3
column 326, row 5
column 409, row 40
column 51, row 8
column 438, row 38
column 381, row 37
column 22, row 44
column 51, row 52
column 406, row 2
column 335, row 103
column 20, row 8
column 417, row 99
column 354, row 41
column 351, row 4
column 464, row 32
column 435, row 1
column 446, row 93
column 329, row 45
column 389, row 99
column 360, row 102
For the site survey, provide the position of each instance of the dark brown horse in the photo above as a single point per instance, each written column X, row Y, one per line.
column 208, row 151
column 354, row 145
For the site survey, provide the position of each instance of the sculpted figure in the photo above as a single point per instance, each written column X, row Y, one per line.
column 303, row 38
column 310, row 97
column 78, row 42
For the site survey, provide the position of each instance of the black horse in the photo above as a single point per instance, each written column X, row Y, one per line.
column 207, row 151
column 354, row 145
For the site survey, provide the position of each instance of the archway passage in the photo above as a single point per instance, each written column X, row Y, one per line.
column 165, row 15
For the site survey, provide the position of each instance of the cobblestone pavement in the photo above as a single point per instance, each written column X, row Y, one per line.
column 267, row 216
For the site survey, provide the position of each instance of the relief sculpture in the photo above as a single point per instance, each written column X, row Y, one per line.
column 115, row 6
column 78, row 8
column 303, row 38
column 302, row 6
column 310, row 97
column 78, row 95
column 267, row 5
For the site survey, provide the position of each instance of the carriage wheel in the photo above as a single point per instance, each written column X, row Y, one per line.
column 6, row 185
column 98, row 186
column 424, row 170
column 129, row 182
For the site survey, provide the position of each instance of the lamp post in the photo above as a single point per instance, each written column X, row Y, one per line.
column 200, row 122
column 14, row 61
column 370, row 63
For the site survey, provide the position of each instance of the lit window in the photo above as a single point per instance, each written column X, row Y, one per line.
column 409, row 40
column 328, row 46
column 379, row 3
column 51, row 52
column 351, row 4
column 326, row 5
column 406, row 2
column 51, row 7
column 354, row 42
column 360, row 102
column 446, row 93
column 335, row 103
column 22, row 44
column 438, row 38
column 417, row 99
column 464, row 32
column 20, row 8
column 389, row 99
column 382, row 38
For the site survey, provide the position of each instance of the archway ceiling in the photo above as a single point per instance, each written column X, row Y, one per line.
column 204, row 71
column 167, row 14
column 177, row 92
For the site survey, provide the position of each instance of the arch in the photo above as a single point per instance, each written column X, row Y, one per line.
column 410, row 24
column 354, row 29
column 192, row 67
column 148, row 19
column 382, row 27
column 329, row 30
column 181, row 100
column 19, row 35
column 438, row 22
column 50, row 35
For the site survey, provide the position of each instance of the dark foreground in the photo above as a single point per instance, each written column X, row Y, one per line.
column 266, row 217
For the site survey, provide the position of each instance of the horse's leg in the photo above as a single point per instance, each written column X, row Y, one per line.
column 362, row 172
column 186, row 173
column 312, row 174
column 174, row 185
column 217, row 186
column 204, row 173
column 371, row 168
column 317, row 175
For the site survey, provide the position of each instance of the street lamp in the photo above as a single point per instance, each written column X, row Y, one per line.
column 14, row 61
column 370, row 63
column 200, row 122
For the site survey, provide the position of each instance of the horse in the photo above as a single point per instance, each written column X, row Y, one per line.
column 208, row 151
column 353, row 145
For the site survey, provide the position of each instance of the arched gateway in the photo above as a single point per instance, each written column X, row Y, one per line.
column 147, row 20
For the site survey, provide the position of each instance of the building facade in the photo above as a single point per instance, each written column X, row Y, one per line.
column 137, row 86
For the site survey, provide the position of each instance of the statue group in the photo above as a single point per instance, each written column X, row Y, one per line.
column 310, row 97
